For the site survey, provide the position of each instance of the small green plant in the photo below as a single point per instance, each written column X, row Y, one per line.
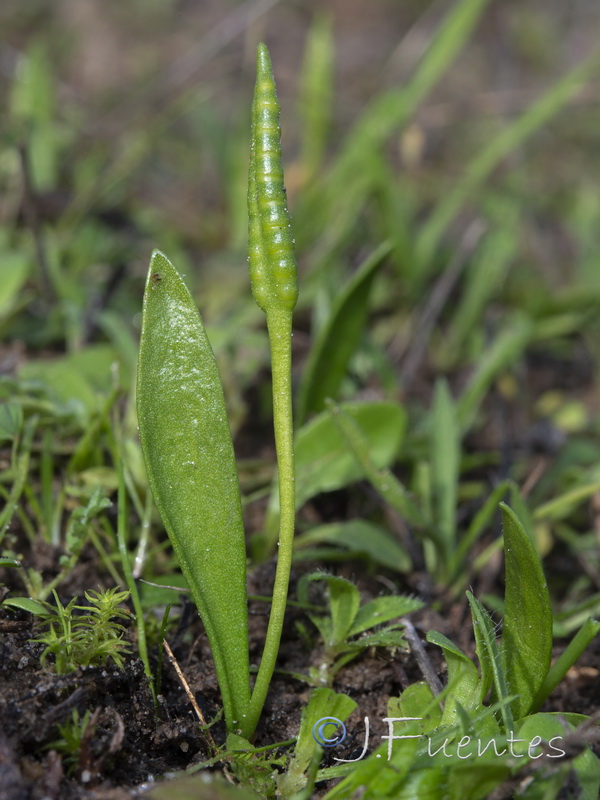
column 345, row 625
column 490, row 726
column 72, row 734
column 82, row 636
column 185, row 434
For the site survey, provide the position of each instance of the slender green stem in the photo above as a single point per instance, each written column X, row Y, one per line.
column 279, row 323
column 129, row 579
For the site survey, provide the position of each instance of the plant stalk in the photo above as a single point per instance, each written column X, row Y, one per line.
column 279, row 325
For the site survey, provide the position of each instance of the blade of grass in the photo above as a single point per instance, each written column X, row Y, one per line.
column 445, row 468
column 492, row 669
column 477, row 526
column 386, row 114
column 584, row 636
column 488, row 268
column 339, row 337
column 492, row 154
column 504, row 351
column 21, row 466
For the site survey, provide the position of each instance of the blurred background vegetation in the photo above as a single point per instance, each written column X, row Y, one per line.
column 465, row 135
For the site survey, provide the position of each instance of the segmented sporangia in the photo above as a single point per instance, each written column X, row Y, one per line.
column 271, row 245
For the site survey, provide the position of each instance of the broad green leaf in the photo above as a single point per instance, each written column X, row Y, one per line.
column 63, row 385
column 191, row 469
column 527, row 631
column 359, row 538
column 383, row 609
column 445, row 464
column 382, row 480
column 584, row 637
column 417, row 700
column 463, row 679
column 77, row 381
column 339, row 338
column 324, row 706
column 323, row 460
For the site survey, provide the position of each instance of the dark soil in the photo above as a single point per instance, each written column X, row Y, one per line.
column 132, row 743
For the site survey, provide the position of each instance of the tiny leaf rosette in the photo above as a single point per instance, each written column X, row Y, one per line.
column 191, row 468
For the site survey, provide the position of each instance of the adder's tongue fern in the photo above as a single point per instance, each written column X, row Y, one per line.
column 185, row 436
column 273, row 280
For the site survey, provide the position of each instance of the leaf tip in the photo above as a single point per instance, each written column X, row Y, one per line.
column 263, row 61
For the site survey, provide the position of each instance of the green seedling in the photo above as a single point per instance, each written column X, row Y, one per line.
column 518, row 671
column 82, row 636
column 185, row 435
column 345, row 624
column 489, row 727
column 72, row 735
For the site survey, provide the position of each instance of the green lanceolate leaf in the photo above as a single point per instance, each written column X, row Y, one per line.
column 271, row 244
column 338, row 339
column 191, row 469
column 527, row 633
column 383, row 609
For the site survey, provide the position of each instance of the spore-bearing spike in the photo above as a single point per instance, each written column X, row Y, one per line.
column 272, row 260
